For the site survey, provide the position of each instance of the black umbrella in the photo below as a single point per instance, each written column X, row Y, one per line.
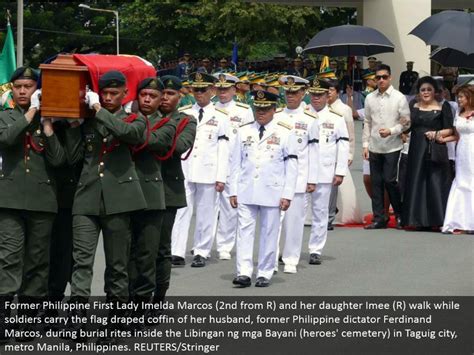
column 452, row 29
column 452, row 58
column 349, row 40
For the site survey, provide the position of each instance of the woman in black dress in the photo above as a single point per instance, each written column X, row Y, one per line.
column 429, row 177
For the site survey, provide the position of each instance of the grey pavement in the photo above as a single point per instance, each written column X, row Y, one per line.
column 355, row 263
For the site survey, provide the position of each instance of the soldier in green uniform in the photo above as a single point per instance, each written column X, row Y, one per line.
column 146, row 225
column 29, row 149
column 107, row 192
column 175, row 195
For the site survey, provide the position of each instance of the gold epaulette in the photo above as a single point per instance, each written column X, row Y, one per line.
column 283, row 124
column 222, row 110
column 314, row 115
column 246, row 124
column 335, row 112
column 184, row 108
column 278, row 110
column 241, row 104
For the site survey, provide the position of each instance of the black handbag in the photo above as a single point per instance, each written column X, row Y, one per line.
column 437, row 152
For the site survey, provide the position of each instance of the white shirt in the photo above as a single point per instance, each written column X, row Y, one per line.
column 384, row 110
column 346, row 112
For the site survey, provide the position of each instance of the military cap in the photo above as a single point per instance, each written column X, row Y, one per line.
column 333, row 61
column 293, row 83
column 410, row 62
column 272, row 80
column 258, row 79
column 368, row 75
column 24, row 73
column 150, row 83
column 372, row 59
column 327, row 73
column 318, row 86
column 201, row 80
column 225, row 80
column 243, row 77
column 112, row 79
column 223, row 60
column 171, row 82
column 263, row 98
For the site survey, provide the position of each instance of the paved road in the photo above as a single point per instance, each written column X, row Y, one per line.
column 355, row 262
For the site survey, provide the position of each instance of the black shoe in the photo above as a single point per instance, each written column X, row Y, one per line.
column 330, row 227
column 75, row 328
column 262, row 282
column 376, row 225
column 280, row 260
column 177, row 261
column 399, row 222
column 315, row 259
column 242, row 281
column 198, row 261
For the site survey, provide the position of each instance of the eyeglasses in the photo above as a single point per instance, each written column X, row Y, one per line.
column 384, row 77
column 199, row 89
column 426, row 89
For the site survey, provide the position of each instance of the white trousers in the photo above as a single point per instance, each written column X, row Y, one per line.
column 204, row 196
column 227, row 223
column 269, row 225
column 293, row 228
column 319, row 226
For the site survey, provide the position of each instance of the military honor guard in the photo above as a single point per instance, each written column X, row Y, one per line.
column 108, row 190
column 328, row 163
column 238, row 114
column 173, row 178
column 29, row 149
column 206, row 171
column 147, row 224
column 407, row 79
column 300, row 122
column 262, row 182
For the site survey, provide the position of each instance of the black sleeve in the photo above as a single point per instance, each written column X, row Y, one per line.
column 447, row 115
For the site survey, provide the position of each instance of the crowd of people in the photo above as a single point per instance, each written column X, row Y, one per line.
column 231, row 147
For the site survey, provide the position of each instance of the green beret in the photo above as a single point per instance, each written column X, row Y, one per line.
column 172, row 82
column 150, row 83
column 112, row 79
column 24, row 73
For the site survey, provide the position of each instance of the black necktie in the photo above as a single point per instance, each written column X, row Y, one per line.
column 201, row 113
column 261, row 130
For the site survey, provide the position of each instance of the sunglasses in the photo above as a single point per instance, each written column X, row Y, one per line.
column 384, row 77
column 426, row 89
column 199, row 89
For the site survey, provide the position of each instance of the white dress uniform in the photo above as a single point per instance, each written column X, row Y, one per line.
column 263, row 171
column 206, row 165
column 226, row 224
column 292, row 227
column 328, row 156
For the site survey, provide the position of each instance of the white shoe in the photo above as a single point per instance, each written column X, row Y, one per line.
column 224, row 255
column 289, row 269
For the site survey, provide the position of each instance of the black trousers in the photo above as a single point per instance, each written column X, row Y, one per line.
column 383, row 173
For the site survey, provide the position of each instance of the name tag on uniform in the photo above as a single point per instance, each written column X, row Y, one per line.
column 273, row 140
column 328, row 125
column 301, row 125
column 211, row 122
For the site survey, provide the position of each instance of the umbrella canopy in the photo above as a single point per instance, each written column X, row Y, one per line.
column 349, row 40
column 452, row 58
column 452, row 29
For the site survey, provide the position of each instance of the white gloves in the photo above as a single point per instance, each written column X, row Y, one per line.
column 35, row 99
column 91, row 99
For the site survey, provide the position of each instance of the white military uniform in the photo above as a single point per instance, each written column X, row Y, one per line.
column 206, row 165
column 226, row 229
column 328, row 156
column 300, row 122
column 263, row 171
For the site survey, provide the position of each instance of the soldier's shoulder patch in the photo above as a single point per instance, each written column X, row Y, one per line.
column 241, row 104
column 246, row 124
column 222, row 111
column 283, row 124
column 335, row 112
column 184, row 108
column 311, row 114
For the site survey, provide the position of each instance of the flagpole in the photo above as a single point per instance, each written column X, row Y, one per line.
column 19, row 34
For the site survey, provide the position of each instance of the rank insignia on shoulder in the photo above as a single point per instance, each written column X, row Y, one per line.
column 241, row 104
column 246, row 124
column 310, row 114
column 279, row 110
column 184, row 108
column 283, row 124
column 222, row 111
column 335, row 112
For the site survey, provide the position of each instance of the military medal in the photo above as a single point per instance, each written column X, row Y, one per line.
column 300, row 140
column 89, row 148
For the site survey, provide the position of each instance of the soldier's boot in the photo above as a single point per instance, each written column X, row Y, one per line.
column 29, row 309
column 4, row 313
column 75, row 330
column 152, row 315
column 110, row 338
column 141, row 302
